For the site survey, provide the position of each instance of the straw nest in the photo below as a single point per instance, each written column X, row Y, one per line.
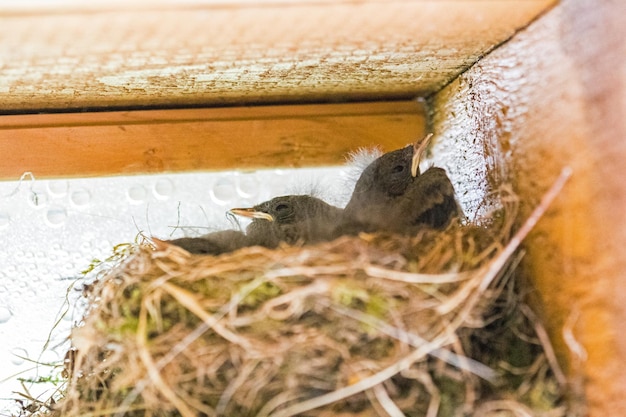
column 374, row 325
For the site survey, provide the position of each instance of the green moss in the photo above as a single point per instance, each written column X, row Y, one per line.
column 543, row 395
column 361, row 299
column 452, row 395
column 260, row 294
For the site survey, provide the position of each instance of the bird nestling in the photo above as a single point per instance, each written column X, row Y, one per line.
column 393, row 196
column 290, row 219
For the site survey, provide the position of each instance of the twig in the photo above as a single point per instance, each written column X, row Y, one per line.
column 187, row 300
column 494, row 268
column 541, row 333
column 364, row 384
column 570, row 340
column 416, row 341
column 416, row 278
column 387, row 403
column 153, row 371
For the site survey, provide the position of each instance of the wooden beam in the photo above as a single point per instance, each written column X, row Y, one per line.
column 74, row 55
column 554, row 96
column 133, row 142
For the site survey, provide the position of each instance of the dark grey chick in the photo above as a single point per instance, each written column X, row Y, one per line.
column 290, row 219
column 391, row 195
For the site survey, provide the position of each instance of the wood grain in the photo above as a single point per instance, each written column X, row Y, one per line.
column 554, row 96
column 69, row 55
column 133, row 142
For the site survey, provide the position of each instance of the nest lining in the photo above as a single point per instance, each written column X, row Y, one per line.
column 375, row 325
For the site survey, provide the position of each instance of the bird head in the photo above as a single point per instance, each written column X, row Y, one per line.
column 392, row 173
column 288, row 209
column 289, row 218
column 280, row 209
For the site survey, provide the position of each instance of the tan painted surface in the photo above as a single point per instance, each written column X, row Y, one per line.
column 97, row 54
column 113, row 143
column 555, row 96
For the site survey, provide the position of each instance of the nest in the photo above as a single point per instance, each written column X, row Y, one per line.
column 373, row 325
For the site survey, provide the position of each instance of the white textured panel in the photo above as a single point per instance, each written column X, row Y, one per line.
column 50, row 230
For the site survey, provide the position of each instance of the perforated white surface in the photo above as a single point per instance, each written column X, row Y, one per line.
column 51, row 230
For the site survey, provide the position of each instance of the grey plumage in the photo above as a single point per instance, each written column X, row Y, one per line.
column 391, row 195
column 290, row 219
column 214, row 243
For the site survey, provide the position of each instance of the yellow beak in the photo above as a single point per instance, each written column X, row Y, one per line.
column 252, row 213
column 418, row 149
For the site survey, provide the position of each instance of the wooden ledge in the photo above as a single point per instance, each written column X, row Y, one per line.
column 137, row 142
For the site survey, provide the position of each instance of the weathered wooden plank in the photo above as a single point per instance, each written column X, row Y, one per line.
column 75, row 55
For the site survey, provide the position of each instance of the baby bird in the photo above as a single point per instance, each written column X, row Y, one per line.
column 290, row 219
column 391, row 195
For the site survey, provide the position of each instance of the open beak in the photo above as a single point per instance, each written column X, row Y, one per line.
column 418, row 149
column 252, row 213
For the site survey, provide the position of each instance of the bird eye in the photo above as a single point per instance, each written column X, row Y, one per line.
column 281, row 207
column 398, row 168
